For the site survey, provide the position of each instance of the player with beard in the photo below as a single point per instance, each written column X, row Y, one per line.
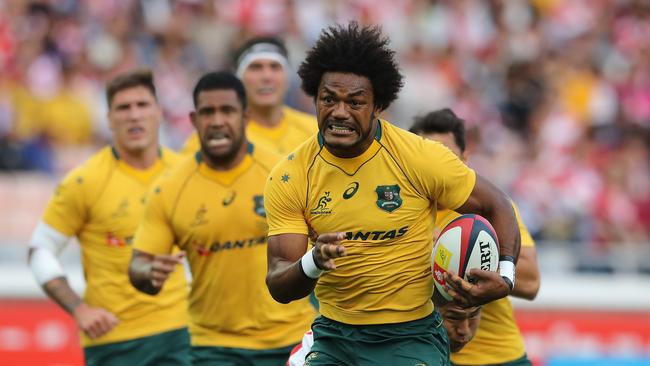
column 212, row 208
column 101, row 203
column 262, row 65
column 371, row 191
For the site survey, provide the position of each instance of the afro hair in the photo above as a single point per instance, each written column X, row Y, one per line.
column 358, row 50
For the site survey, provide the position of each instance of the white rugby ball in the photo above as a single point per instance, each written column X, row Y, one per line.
column 469, row 241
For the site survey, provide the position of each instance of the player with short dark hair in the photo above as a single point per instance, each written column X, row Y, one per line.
column 498, row 340
column 262, row 65
column 442, row 122
column 101, row 203
column 212, row 208
column 371, row 190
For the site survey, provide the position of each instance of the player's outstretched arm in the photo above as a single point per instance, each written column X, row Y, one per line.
column 490, row 202
column 292, row 270
column 45, row 245
column 528, row 278
column 148, row 272
column 94, row 321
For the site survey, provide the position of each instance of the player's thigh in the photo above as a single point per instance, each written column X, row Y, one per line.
column 172, row 348
column 523, row 361
column 334, row 344
column 416, row 352
column 208, row 356
column 268, row 357
column 167, row 348
column 322, row 359
column 421, row 342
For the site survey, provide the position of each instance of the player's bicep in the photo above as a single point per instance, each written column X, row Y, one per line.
column 284, row 205
column 482, row 197
column 66, row 210
column 443, row 176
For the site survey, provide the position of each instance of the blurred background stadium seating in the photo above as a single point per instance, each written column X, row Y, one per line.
column 556, row 94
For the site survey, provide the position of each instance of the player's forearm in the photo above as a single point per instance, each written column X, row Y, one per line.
column 528, row 279
column 502, row 217
column 525, row 288
column 286, row 282
column 490, row 202
column 139, row 276
column 60, row 291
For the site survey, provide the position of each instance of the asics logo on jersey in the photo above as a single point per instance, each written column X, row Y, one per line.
column 351, row 190
column 376, row 235
column 228, row 200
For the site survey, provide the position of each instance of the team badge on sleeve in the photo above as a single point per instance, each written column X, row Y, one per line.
column 388, row 198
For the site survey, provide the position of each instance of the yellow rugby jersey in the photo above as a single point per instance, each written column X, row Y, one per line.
column 218, row 218
column 294, row 129
column 385, row 200
column 101, row 202
column 497, row 339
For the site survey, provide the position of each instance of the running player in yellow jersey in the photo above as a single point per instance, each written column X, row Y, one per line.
column 212, row 208
column 460, row 323
column 498, row 340
column 371, row 190
column 101, row 203
column 263, row 67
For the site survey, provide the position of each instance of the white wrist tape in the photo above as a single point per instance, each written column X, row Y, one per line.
column 507, row 269
column 46, row 243
column 309, row 267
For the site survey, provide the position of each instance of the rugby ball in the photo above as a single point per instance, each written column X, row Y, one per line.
column 469, row 241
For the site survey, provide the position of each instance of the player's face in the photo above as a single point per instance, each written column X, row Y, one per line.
column 265, row 82
column 134, row 117
column 219, row 120
column 448, row 140
column 461, row 324
column 345, row 111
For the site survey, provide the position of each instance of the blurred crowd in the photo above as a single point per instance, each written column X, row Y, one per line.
column 556, row 92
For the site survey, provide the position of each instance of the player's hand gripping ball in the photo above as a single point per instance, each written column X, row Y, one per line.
column 465, row 243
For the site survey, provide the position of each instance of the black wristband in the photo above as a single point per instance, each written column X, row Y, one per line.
column 508, row 282
column 508, row 258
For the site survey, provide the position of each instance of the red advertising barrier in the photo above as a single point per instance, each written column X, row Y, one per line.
column 584, row 333
column 37, row 333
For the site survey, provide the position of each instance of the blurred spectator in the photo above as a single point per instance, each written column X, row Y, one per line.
column 559, row 91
